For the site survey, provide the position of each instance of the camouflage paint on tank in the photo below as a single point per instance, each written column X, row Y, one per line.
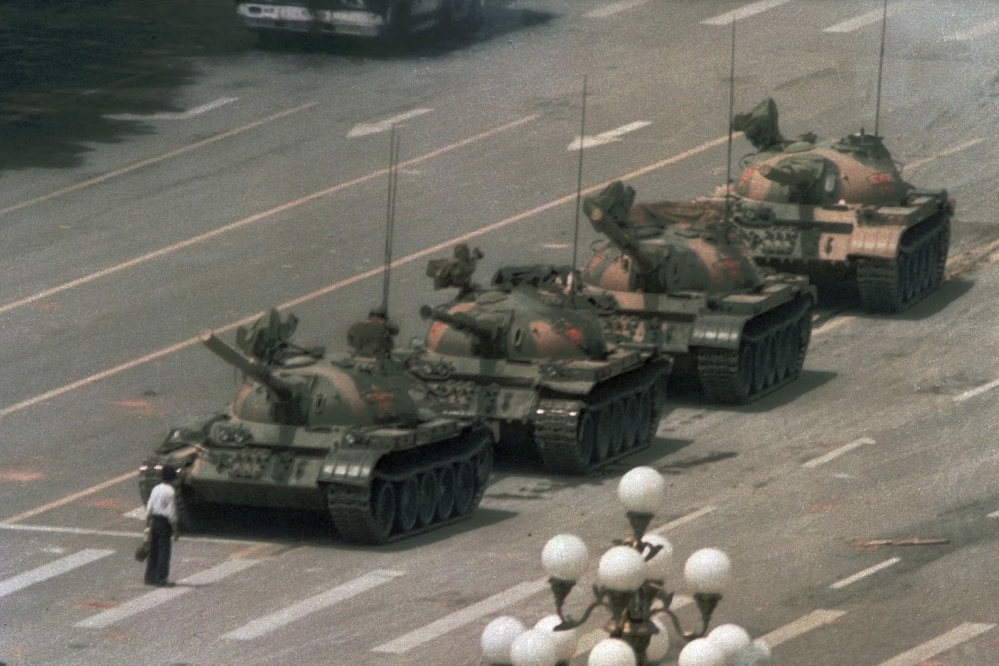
column 840, row 212
column 324, row 433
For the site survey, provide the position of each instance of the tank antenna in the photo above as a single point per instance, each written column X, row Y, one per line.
column 390, row 215
column 731, row 110
column 881, row 61
column 579, row 180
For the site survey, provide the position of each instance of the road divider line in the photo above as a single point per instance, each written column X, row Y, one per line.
column 860, row 575
column 994, row 514
column 614, row 8
column 158, row 597
column 153, row 160
column 55, row 529
column 51, row 570
column 287, row 615
column 458, row 619
column 976, row 391
column 943, row 153
column 364, row 129
column 744, row 12
column 959, row 634
column 194, row 240
column 836, row 453
column 448, row 244
column 66, row 500
column 176, row 115
column 804, row 624
column 683, row 520
column 986, row 28
column 609, row 136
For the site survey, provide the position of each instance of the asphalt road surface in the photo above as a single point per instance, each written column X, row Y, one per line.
column 263, row 183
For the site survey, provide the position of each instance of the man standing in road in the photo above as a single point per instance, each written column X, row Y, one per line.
column 161, row 518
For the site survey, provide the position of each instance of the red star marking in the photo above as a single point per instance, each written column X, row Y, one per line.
column 747, row 175
column 574, row 334
column 383, row 401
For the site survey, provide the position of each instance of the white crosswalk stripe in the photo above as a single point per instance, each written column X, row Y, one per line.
column 163, row 595
column 953, row 638
column 806, row 623
column 51, row 570
column 744, row 12
column 460, row 618
column 287, row 615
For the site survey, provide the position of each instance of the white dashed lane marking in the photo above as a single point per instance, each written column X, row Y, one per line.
column 744, row 12
column 51, row 570
column 917, row 655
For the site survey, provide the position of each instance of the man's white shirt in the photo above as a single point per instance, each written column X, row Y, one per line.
column 162, row 503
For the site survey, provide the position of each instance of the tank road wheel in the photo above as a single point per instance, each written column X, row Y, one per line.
column 605, row 431
column 483, row 467
column 772, row 356
column 445, row 494
column 427, row 504
column 464, row 487
column 759, row 381
column 615, row 416
column 408, row 502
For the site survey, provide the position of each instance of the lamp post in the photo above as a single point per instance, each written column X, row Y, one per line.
column 631, row 588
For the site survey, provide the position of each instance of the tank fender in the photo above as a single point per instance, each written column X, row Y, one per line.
column 878, row 242
column 719, row 331
column 349, row 466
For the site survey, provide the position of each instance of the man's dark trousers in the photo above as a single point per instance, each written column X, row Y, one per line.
column 158, row 564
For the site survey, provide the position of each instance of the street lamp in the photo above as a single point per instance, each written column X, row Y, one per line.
column 631, row 587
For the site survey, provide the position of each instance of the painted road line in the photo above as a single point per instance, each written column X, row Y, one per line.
column 607, row 137
column 682, row 520
column 68, row 499
column 51, row 570
column 744, row 12
column 994, row 514
column 867, row 19
column 976, row 391
column 54, row 529
column 194, row 240
column 176, row 115
column 840, row 584
column 364, row 129
column 163, row 595
column 458, row 619
column 986, row 28
column 446, row 245
column 804, row 624
column 153, row 160
column 589, row 640
column 836, row 453
column 943, row 153
column 960, row 634
column 331, row 597
column 614, row 8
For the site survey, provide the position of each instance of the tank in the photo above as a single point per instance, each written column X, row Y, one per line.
column 534, row 360
column 840, row 212
column 680, row 278
column 353, row 435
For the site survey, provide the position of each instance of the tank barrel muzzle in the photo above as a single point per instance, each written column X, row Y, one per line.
column 254, row 369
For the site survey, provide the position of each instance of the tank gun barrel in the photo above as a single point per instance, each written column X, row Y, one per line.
column 258, row 371
column 625, row 241
column 460, row 322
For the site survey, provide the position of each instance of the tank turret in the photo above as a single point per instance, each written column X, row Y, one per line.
column 353, row 436
column 680, row 278
column 840, row 211
column 532, row 358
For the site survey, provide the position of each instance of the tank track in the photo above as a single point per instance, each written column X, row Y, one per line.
column 891, row 285
column 771, row 354
column 577, row 437
column 406, row 499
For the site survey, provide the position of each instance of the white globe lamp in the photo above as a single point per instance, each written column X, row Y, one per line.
column 621, row 569
column 497, row 638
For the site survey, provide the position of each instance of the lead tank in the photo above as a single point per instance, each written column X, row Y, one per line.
column 681, row 279
column 535, row 362
column 840, row 212
column 350, row 435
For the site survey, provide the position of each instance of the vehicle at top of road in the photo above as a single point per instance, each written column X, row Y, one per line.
column 391, row 19
column 533, row 360
column 680, row 279
column 840, row 212
column 352, row 435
